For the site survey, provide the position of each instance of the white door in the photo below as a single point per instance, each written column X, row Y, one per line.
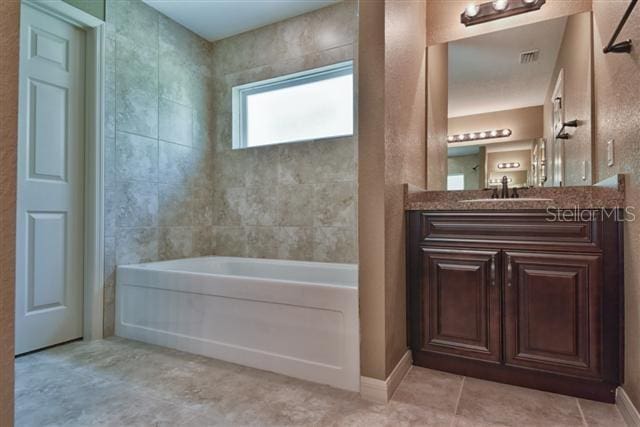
column 49, row 256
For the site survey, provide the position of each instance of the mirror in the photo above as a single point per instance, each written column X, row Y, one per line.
column 519, row 106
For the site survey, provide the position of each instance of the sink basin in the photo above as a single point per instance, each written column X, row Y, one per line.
column 519, row 200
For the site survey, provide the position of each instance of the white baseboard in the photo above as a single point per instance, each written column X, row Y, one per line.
column 627, row 409
column 380, row 391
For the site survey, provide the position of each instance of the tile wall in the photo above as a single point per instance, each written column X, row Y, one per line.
column 158, row 158
column 288, row 201
column 174, row 186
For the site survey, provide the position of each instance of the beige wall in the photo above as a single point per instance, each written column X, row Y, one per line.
column 575, row 59
column 391, row 151
column 371, row 179
column 405, row 129
column 437, row 112
column 287, row 201
column 443, row 18
column 617, row 99
column 525, row 123
column 9, row 35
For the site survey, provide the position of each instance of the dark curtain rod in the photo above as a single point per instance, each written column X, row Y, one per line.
column 623, row 46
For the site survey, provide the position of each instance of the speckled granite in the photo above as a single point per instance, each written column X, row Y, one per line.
column 607, row 194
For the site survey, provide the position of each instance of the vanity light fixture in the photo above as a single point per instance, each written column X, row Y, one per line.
column 499, row 181
column 500, row 5
column 509, row 165
column 496, row 9
column 471, row 10
column 488, row 134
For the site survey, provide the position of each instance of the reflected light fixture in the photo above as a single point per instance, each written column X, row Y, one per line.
column 487, row 134
column 493, row 181
column 509, row 165
column 496, row 9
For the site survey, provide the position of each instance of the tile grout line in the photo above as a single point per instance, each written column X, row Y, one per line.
column 584, row 420
column 455, row 411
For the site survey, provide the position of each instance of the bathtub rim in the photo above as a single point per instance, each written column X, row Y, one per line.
column 148, row 267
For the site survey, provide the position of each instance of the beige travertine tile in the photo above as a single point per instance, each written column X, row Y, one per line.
column 598, row 414
column 334, row 244
column 295, row 204
column 173, row 208
column 262, row 242
column 137, row 204
column 295, row 243
column 261, row 206
column 489, row 403
column 229, row 206
column 229, row 241
column 335, row 204
column 175, row 242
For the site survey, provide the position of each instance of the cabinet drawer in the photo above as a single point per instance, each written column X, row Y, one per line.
column 514, row 228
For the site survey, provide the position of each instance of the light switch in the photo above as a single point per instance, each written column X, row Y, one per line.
column 610, row 158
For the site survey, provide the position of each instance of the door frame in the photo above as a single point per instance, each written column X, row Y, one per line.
column 93, row 288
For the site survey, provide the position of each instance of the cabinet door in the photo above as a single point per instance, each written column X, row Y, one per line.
column 553, row 312
column 460, row 301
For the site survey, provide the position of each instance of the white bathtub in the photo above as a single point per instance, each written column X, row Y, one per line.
column 295, row 318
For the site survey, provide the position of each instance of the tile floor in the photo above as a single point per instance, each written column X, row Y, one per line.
column 118, row 382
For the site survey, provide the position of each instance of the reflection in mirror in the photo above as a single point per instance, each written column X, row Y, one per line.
column 519, row 105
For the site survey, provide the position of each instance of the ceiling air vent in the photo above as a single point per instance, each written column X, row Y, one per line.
column 529, row 56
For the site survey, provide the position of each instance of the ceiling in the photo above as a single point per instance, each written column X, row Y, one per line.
column 218, row 19
column 485, row 73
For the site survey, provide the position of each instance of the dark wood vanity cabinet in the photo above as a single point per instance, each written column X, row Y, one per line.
column 517, row 298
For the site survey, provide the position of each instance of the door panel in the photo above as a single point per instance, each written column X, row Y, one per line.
column 50, row 217
column 461, row 303
column 553, row 312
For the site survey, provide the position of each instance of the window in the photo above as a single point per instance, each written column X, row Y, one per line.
column 313, row 104
column 455, row 182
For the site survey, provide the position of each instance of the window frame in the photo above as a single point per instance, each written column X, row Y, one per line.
column 240, row 94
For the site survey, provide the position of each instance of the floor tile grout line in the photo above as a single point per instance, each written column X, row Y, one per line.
column 455, row 410
column 584, row 420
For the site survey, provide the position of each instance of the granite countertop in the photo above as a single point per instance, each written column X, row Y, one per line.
column 606, row 194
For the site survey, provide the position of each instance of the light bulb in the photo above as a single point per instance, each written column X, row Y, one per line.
column 506, row 132
column 483, row 134
column 471, row 10
column 494, row 133
column 530, row 2
column 460, row 137
column 500, row 5
column 472, row 136
column 450, row 138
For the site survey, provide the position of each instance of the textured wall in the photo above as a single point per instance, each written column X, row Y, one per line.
column 617, row 99
column 371, row 212
column 9, row 36
column 525, row 123
column 437, row 112
column 158, row 146
column 287, row 201
column 391, row 151
column 575, row 59
column 405, row 151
